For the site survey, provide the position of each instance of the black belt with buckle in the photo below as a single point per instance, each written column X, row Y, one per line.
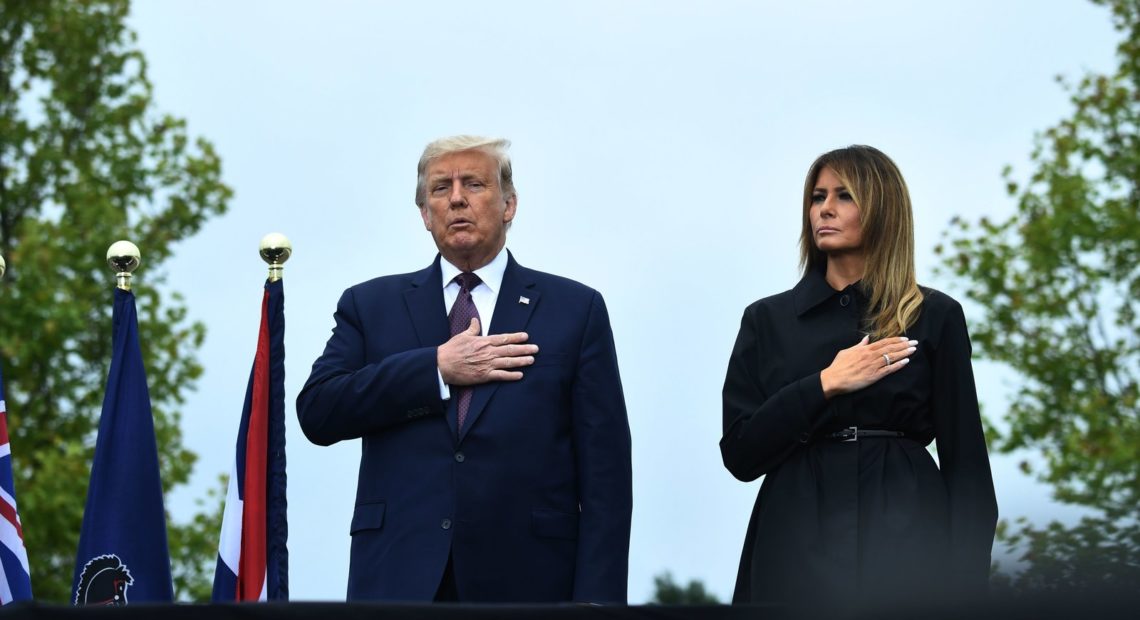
column 854, row 433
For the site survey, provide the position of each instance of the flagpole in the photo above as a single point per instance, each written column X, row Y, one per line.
column 275, row 249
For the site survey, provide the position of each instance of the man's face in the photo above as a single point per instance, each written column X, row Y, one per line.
column 465, row 209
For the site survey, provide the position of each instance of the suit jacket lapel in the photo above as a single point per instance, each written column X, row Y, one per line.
column 513, row 308
column 429, row 317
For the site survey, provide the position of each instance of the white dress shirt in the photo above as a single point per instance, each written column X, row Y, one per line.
column 484, row 295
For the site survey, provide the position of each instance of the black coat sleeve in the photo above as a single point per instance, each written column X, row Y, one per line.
column 762, row 427
column 962, row 455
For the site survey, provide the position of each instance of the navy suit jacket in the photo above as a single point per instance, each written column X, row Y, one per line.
column 532, row 499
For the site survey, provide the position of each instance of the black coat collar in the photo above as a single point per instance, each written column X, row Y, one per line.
column 813, row 289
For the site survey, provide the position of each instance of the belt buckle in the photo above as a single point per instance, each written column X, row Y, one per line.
column 851, row 433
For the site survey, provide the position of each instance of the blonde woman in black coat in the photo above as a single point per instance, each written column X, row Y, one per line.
column 835, row 389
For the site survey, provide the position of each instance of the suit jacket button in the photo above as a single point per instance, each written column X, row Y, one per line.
column 459, row 458
column 445, row 524
column 805, row 437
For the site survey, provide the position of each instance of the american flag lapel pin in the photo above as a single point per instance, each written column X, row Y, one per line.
column 524, row 300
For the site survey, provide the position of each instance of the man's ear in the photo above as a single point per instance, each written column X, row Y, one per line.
column 425, row 213
column 509, row 212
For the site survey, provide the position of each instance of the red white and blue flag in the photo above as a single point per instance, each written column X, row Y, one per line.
column 15, row 577
column 253, row 560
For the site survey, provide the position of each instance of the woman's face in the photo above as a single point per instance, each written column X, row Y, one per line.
column 834, row 216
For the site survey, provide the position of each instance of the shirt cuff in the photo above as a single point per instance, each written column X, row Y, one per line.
column 444, row 391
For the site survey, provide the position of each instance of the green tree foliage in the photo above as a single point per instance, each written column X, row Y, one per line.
column 85, row 159
column 669, row 592
column 1058, row 284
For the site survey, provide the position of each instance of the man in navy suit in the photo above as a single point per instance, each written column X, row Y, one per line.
column 495, row 461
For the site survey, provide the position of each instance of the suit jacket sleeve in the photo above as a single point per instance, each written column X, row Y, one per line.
column 962, row 456
column 604, row 470
column 347, row 397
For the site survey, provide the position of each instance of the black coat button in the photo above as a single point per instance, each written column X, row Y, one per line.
column 844, row 300
column 805, row 437
column 445, row 524
column 459, row 458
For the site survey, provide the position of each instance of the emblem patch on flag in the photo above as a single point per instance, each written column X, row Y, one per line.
column 104, row 581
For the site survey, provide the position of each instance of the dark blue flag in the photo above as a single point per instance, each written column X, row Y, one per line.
column 253, row 561
column 123, row 555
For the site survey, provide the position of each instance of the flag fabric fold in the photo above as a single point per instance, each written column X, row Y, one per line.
column 253, row 560
column 123, row 554
column 15, row 576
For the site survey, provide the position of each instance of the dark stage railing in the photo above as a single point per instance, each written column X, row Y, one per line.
column 1108, row 606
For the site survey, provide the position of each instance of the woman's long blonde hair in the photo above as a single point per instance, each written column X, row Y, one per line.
column 880, row 192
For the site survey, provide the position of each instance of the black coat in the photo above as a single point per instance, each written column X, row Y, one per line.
column 873, row 520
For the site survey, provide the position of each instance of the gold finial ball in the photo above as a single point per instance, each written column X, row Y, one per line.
column 275, row 248
column 3, row 266
column 123, row 256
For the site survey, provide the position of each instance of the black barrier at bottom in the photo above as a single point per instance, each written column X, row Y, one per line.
column 1108, row 606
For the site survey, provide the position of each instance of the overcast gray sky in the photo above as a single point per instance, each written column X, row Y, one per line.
column 659, row 151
